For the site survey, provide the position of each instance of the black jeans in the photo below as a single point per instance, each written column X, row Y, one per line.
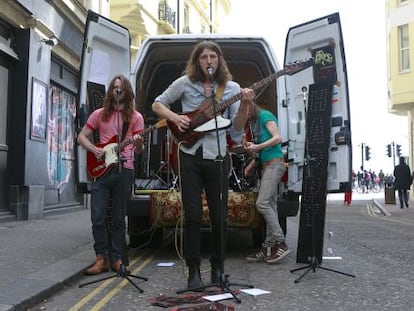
column 403, row 196
column 198, row 174
column 118, row 186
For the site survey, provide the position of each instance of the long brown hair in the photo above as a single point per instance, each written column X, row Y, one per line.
column 193, row 69
column 254, row 110
column 126, row 97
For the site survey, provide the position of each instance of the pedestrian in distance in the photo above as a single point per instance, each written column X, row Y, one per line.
column 117, row 117
column 268, row 148
column 206, row 75
column 403, row 181
column 348, row 195
column 381, row 176
column 349, row 189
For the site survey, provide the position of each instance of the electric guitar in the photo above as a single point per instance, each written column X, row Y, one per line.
column 98, row 167
column 202, row 119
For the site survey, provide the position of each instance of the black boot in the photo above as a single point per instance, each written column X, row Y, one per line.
column 216, row 271
column 194, row 277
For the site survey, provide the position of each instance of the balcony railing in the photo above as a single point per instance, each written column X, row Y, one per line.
column 166, row 14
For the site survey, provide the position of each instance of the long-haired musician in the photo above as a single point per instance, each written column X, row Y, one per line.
column 116, row 119
column 206, row 76
column 267, row 145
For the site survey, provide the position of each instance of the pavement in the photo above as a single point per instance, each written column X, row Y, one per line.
column 41, row 256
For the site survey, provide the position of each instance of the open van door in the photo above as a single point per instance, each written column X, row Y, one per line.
column 105, row 53
column 322, row 40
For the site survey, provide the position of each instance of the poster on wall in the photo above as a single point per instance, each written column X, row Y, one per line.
column 39, row 111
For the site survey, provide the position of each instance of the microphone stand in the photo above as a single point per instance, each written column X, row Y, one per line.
column 119, row 132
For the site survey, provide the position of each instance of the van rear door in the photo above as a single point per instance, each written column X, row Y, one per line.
column 322, row 40
column 105, row 53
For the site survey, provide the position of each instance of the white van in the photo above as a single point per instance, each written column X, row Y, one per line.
column 162, row 59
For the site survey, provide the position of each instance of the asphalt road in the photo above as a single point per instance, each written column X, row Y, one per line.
column 359, row 240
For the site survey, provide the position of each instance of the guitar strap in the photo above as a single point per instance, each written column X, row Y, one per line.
column 124, row 130
column 219, row 93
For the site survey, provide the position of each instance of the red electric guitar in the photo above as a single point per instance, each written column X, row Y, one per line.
column 202, row 119
column 98, row 167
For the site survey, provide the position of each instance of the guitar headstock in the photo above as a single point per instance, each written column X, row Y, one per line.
column 161, row 123
column 298, row 66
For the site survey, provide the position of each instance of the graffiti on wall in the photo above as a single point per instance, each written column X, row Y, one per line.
column 60, row 161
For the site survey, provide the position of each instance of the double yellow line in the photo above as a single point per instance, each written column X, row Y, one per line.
column 147, row 258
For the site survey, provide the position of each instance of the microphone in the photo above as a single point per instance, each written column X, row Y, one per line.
column 210, row 70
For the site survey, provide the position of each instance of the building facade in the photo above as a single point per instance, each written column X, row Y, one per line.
column 40, row 51
column 149, row 17
column 400, row 56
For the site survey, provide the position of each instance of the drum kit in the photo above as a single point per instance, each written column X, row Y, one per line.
column 239, row 159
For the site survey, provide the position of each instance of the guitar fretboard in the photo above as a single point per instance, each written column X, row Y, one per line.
column 288, row 70
column 255, row 86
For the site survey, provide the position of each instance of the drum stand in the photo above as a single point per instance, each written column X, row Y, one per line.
column 237, row 180
column 171, row 179
column 240, row 182
column 157, row 176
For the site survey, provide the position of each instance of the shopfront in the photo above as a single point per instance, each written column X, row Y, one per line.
column 40, row 48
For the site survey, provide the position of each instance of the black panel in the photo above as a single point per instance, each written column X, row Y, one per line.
column 315, row 173
column 96, row 95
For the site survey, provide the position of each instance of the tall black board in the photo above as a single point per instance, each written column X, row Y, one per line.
column 315, row 172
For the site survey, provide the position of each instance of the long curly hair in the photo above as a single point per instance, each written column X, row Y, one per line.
column 193, row 69
column 126, row 97
column 254, row 110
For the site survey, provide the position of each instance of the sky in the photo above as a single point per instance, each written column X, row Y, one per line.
column 364, row 34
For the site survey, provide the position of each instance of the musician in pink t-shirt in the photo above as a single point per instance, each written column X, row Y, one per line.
column 118, row 125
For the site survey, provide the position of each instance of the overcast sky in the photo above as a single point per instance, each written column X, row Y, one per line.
column 364, row 32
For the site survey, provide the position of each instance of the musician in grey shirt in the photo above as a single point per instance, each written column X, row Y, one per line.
column 206, row 76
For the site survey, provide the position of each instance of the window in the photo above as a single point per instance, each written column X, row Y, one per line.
column 187, row 18
column 404, row 48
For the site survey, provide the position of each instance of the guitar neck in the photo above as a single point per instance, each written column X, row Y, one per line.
column 255, row 86
column 288, row 70
column 152, row 127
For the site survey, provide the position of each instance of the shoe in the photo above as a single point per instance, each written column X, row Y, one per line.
column 194, row 278
column 99, row 266
column 406, row 204
column 116, row 265
column 279, row 251
column 215, row 274
column 261, row 255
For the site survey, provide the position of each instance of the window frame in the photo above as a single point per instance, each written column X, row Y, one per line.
column 404, row 48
